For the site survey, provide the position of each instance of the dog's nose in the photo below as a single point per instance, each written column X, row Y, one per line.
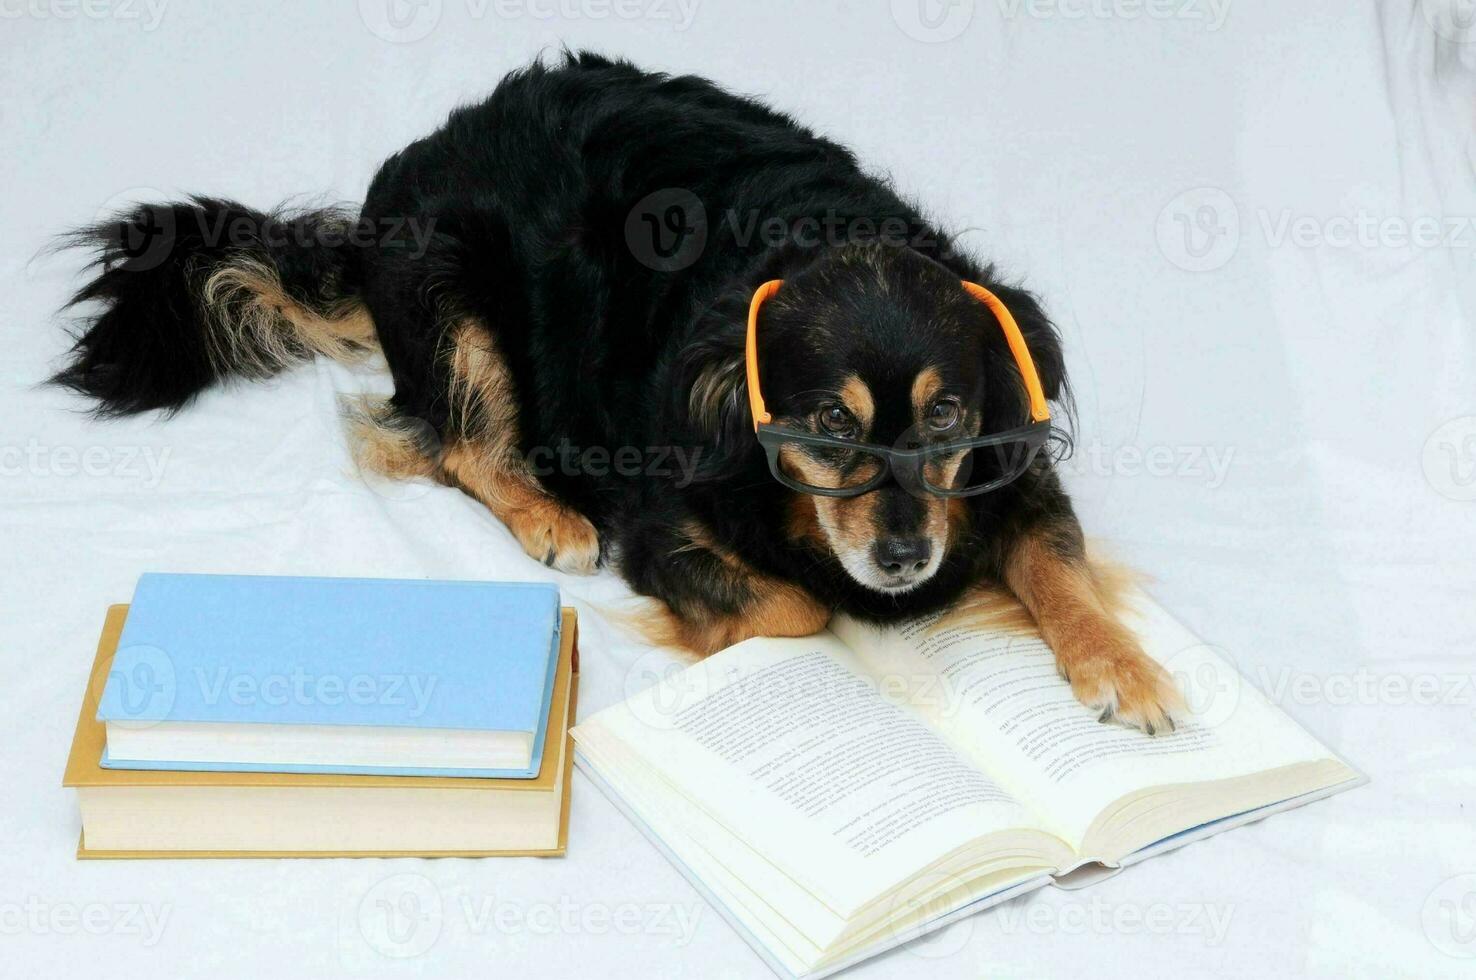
column 903, row 556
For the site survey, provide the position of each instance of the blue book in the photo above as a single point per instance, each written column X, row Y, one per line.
column 246, row 673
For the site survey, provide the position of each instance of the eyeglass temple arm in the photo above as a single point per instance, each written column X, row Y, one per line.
column 1039, row 410
column 756, row 407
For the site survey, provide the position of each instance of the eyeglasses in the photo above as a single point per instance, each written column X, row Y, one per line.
column 834, row 467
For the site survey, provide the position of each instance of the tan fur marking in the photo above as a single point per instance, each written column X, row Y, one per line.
column 774, row 607
column 385, row 443
column 1106, row 667
column 801, row 522
column 260, row 329
column 994, row 607
column 781, row 609
column 925, row 388
column 857, row 397
column 484, row 459
column 849, row 525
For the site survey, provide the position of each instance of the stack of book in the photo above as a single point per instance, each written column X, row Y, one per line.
column 253, row 716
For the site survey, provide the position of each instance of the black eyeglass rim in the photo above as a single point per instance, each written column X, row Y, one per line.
column 901, row 461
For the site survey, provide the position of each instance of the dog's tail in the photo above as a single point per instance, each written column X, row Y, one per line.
column 198, row 291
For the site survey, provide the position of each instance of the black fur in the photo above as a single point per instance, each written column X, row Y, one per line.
column 148, row 348
column 530, row 196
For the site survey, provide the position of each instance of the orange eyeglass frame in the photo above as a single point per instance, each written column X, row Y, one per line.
column 1039, row 411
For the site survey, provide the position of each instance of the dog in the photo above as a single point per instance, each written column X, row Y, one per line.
column 566, row 271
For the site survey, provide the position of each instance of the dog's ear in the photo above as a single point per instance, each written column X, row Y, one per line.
column 710, row 394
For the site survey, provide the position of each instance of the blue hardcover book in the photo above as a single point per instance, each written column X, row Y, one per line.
column 242, row 673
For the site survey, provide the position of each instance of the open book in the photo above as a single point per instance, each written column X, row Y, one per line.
column 838, row 794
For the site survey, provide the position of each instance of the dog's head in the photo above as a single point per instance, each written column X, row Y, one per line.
column 879, row 345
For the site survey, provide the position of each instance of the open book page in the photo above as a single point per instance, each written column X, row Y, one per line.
column 815, row 773
column 998, row 697
column 775, row 913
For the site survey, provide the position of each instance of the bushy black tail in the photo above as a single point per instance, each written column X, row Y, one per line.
column 198, row 291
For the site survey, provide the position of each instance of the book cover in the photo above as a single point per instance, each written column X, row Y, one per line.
column 246, row 649
column 85, row 771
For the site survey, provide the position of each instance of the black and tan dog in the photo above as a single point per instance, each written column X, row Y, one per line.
column 559, row 279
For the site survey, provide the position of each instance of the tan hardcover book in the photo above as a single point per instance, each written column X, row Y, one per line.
column 131, row 813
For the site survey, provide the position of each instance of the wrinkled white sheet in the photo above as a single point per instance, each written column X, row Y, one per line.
column 1229, row 208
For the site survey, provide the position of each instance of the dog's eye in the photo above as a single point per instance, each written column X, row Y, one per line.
column 944, row 415
column 837, row 420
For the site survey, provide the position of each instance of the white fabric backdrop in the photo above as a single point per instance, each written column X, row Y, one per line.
column 1255, row 222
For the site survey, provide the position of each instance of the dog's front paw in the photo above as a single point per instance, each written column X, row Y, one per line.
column 558, row 536
column 1115, row 678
